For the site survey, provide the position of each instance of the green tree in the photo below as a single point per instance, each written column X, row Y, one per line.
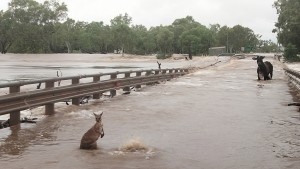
column 237, row 37
column 290, row 53
column 57, row 44
column 51, row 14
column 223, row 38
column 32, row 27
column 214, row 29
column 164, row 40
column 81, row 41
column 62, row 40
column 139, row 38
column 243, row 37
column 266, row 46
column 34, row 24
column 6, row 32
column 196, row 41
column 96, row 38
column 288, row 24
column 178, row 27
column 150, row 41
column 120, row 27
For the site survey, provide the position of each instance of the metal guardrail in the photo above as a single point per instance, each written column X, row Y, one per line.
column 294, row 77
column 17, row 100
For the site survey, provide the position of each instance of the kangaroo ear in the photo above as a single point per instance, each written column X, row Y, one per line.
column 101, row 114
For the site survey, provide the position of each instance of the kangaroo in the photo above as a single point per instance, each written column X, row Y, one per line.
column 159, row 65
column 89, row 139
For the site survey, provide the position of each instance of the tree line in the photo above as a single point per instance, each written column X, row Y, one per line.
column 288, row 27
column 31, row 27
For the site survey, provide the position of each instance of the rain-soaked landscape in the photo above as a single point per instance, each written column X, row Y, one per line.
column 219, row 117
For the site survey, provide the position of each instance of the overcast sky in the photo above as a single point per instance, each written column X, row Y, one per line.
column 258, row 15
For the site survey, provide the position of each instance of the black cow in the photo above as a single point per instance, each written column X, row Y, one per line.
column 264, row 68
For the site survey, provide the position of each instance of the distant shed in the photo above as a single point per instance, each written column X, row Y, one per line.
column 215, row 51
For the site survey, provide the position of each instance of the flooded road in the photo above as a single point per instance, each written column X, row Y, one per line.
column 217, row 118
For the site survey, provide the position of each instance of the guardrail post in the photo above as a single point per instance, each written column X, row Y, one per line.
column 138, row 74
column 75, row 101
column 181, row 72
column 113, row 92
column 49, row 108
column 14, row 118
column 156, row 72
column 176, row 71
column 96, row 95
column 148, row 73
column 170, row 72
column 126, row 89
column 164, row 71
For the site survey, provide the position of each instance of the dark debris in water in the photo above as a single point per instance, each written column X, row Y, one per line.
column 5, row 123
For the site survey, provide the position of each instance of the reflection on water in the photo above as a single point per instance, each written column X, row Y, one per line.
column 10, row 145
column 19, row 139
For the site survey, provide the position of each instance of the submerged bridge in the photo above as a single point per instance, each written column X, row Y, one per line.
column 75, row 87
column 220, row 117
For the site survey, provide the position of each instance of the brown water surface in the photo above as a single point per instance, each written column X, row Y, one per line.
column 217, row 118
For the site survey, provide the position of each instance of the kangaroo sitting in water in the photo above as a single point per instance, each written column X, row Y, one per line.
column 89, row 139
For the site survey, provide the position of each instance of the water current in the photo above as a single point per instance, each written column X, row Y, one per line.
column 219, row 117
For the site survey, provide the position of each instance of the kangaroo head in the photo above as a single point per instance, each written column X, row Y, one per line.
column 98, row 117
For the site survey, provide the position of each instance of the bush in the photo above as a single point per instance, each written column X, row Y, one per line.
column 163, row 56
column 290, row 53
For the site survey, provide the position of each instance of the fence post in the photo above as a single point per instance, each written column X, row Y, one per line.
column 127, row 89
column 186, row 71
column 156, row 72
column 49, row 108
column 75, row 101
column 176, row 71
column 96, row 95
column 138, row 74
column 148, row 73
column 15, row 115
column 113, row 92
column 181, row 72
column 170, row 74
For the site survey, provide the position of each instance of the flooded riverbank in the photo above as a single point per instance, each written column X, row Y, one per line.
column 16, row 67
column 219, row 117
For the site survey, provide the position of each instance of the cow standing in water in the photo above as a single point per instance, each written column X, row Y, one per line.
column 264, row 68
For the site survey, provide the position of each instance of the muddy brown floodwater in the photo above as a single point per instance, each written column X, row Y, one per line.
column 216, row 118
